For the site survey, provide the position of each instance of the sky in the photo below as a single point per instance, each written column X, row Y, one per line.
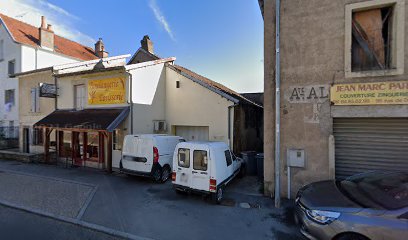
column 221, row 40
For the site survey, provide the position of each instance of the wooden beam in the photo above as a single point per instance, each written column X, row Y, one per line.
column 85, row 146
column 47, row 145
column 61, row 149
column 101, row 148
column 109, row 157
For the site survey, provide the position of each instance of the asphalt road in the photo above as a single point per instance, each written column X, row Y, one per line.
column 132, row 205
column 16, row 224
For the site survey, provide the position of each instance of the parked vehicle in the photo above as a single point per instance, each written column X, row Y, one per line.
column 365, row 206
column 149, row 155
column 204, row 167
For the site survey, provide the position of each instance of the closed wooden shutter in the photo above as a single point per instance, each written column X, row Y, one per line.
column 367, row 144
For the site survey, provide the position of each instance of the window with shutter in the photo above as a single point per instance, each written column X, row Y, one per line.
column 35, row 100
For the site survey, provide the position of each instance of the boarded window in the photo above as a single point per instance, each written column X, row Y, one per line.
column 184, row 157
column 371, row 39
column 200, row 160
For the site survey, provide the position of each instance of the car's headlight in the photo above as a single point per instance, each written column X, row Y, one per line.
column 322, row 217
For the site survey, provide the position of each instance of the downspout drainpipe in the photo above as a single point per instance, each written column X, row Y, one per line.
column 277, row 107
column 56, row 89
column 229, row 124
column 131, row 103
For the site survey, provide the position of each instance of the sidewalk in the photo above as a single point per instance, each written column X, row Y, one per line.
column 141, row 208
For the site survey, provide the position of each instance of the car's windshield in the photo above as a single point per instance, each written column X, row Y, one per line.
column 378, row 189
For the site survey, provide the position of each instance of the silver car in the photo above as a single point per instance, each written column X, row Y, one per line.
column 365, row 206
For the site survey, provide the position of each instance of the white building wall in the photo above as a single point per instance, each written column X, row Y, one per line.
column 27, row 58
column 195, row 105
column 12, row 51
column 148, row 97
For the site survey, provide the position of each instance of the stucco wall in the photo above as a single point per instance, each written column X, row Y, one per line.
column 66, row 88
column 47, row 105
column 269, row 96
column 27, row 58
column 11, row 51
column 149, row 96
column 312, row 55
column 195, row 105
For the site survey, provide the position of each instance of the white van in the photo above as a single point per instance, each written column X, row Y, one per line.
column 204, row 167
column 149, row 155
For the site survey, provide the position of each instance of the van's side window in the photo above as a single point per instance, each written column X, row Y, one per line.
column 200, row 160
column 228, row 157
column 184, row 157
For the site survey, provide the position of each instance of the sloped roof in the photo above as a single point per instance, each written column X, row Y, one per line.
column 27, row 34
column 261, row 6
column 215, row 85
column 255, row 97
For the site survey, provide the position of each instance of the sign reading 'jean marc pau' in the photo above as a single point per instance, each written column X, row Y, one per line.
column 370, row 93
column 106, row 91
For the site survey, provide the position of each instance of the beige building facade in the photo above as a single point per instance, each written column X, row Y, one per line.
column 81, row 112
column 344, row 89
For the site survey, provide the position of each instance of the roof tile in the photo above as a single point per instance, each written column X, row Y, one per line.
column 27, row 34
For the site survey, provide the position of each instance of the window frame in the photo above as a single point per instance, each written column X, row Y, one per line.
column 35, row 100
column 397, row 44
column 38, row 137
column 81, row 104
column 6, row 94
column 178, row 158
column 230, row 157
column 206, row 166
column 13, row 71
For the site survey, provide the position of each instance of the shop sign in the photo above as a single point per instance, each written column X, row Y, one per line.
column 378, row 93
column 106, row 91
column 48, row 90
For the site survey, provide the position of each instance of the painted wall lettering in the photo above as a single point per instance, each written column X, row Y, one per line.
column 307, row 94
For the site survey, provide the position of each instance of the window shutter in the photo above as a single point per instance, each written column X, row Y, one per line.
column 33, row 104
column 37, row 99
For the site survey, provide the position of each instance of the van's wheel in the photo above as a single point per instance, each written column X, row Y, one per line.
column 166, row 171
column 157, row 173
column 218, row 196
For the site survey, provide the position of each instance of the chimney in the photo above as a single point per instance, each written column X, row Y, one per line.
column 46, row 34
column 147, row 44
column 100, row 49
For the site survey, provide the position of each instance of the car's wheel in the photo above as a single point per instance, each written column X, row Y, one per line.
column 351, row 236
column 218, row 195
column 166, row 172
column 242, row 171
column 157, row 173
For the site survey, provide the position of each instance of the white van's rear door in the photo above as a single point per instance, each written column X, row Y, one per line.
column 138, row 154
column 201, row 171
column 183, row 167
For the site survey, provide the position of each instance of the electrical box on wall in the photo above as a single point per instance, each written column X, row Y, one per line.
column 295, row 157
